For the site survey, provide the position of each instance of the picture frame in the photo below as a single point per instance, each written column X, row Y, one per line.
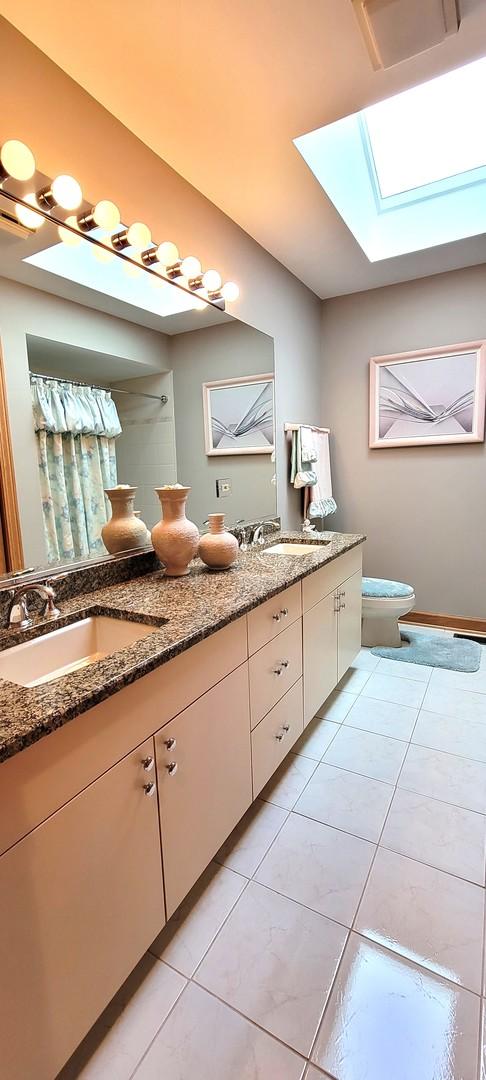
column 239, row 415
column 429, row 397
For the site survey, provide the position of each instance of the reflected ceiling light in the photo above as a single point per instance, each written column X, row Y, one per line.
column 64, row 191
column 105, row 215
column 136, row 236
column 131, row 270
column 103, row 254
column 230, row 291
column 16, row 160
column 72, row 239
column 27, row 217
column 191, row 267
column 199, row 304
column 211, row 280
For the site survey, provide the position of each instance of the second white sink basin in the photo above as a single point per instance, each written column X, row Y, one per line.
column 290, row 549
column 69, row 648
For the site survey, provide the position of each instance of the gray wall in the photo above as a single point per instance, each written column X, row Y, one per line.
column 423, row 508
column 220, row 352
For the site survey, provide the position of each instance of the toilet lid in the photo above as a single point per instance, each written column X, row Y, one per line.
column 380, row 587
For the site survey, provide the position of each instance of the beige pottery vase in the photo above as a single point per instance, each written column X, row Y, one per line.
column 124, row 531
column 175, row 539
column 218, row 548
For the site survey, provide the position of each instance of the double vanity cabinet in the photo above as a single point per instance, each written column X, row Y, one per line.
column 106, row 823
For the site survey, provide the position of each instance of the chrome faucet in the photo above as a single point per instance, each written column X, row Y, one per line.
column 257, row 534
column 18, row 617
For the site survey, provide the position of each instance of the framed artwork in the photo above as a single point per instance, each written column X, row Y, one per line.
column 239, row 415
column 433, row 396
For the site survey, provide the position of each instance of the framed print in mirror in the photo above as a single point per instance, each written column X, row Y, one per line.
column 432, row 396
column 239, row 415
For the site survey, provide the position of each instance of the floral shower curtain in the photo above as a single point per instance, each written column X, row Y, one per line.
column 75, row 427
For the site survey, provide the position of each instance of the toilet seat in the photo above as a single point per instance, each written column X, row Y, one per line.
column 384, row 603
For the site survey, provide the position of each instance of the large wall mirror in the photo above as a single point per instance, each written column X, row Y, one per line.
column 113, row 377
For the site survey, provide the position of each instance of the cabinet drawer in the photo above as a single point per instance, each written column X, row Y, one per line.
column 39, row 780
column 274, row 669
column 270, row 618
column 316, row 586
column 274, row 736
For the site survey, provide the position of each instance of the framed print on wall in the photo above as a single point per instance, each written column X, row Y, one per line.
column 239, row 415
column 428, row 397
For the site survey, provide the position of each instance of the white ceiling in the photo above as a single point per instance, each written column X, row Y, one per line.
column 220, row 89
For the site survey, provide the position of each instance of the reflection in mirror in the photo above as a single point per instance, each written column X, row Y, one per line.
column 105, row 387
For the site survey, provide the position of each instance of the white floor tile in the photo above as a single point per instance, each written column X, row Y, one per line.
column 289, row 781
column 462, row 680
column 354, row 680
column 337, row 706
column 317, row 736
column 425, row 915
column 467, row 738
column 382, row 717
column 388, row 1019
column 205, row 1040
column 366, row 660
column 445, row 776
column 461, row 704
column 118, row 1040
column 196, row 922
column 244, row 849
column 402, row 669
column 318, row 866
column 436, row 833
column 274, row 961
column 346, row 801
column 366, row 753
column 399, row 691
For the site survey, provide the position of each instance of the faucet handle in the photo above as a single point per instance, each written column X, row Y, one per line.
column 18, row 616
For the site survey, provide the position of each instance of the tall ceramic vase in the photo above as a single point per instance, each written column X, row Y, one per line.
column 124, row 531
column 175, row 539
column 218, row 548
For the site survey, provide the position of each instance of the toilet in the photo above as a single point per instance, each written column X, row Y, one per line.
column 384, row 604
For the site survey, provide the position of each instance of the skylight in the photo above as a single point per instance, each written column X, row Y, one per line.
column 410, row 172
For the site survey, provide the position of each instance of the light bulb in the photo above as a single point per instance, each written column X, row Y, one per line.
column 29, row 218
column 67, row 237
column 212, row 280
column 106, row 215
column 16, row 160
column 167, row 253
column 66, row 192
column 191, row 267
column 130, row 270
column 139, row 235
column 102, row 254
column 230, row 291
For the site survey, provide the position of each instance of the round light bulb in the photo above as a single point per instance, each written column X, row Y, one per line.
column 230, row 291
column 212, row 280
column 29, row 218
column 191, row 267
column 139, row 235
column 67, row 237
column 131, row 271
column 102, row 254
column 67, row 192
column 167, row 253
column 17, row 160
column 106, row 215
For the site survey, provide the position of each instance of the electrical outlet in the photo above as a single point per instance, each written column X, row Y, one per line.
column 223, row 488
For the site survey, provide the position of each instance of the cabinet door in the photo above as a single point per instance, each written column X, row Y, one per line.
column 81, row 898
column 349, row 622
column 204, row 774
column 320, row 654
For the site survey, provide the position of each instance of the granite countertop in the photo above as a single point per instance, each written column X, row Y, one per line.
column 184, row 610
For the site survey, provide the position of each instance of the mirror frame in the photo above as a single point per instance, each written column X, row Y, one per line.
column 11, row 549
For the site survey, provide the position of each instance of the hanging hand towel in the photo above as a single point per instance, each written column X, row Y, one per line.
column 318, row 497
column 301, row 475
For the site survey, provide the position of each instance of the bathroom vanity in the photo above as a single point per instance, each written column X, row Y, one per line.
column 119, row 782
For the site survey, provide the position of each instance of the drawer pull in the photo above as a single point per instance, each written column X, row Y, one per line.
column 149, row 789
column 276, row 617
column 148, row 763
column 280, row 736
column 284, row 663
column 172, row 768
column 170, row 743
column 286, row 727
column 278, row 671
column 284, row 611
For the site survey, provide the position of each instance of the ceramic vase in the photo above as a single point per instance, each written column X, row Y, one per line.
column 175, row 539
column 125, row 530
column 218, row 548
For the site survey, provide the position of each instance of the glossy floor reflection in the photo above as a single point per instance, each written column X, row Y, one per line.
column 339, row 932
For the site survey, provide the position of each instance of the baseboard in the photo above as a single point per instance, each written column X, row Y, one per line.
column 446, row 622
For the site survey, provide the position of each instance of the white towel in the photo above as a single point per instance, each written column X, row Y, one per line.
column 319, row 501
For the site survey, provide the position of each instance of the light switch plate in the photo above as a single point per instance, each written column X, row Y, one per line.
column 223, row 488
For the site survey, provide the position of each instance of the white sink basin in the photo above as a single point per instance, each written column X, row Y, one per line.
column 69, row 648
column 290, row 549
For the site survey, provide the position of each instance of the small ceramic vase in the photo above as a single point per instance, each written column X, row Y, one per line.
column 175, row 539
column 218, row 548
column 124, row 531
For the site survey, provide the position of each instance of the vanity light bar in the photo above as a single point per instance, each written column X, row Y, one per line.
column 18, row 163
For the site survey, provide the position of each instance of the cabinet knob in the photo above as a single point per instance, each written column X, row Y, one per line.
column 284, row 663
column 148, row 763
column 284, row 611
column 277, row 671
column 170, row 743
column 149, row 789
column 276, row 617
column 172, row 768
column 280, row 736
column 286, row 727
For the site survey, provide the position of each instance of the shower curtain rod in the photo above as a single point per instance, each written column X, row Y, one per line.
column 109, row 389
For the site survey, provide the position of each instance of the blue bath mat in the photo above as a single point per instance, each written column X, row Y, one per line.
column 434, row 650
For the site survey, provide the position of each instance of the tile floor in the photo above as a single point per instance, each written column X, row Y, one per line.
column 339, row 933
